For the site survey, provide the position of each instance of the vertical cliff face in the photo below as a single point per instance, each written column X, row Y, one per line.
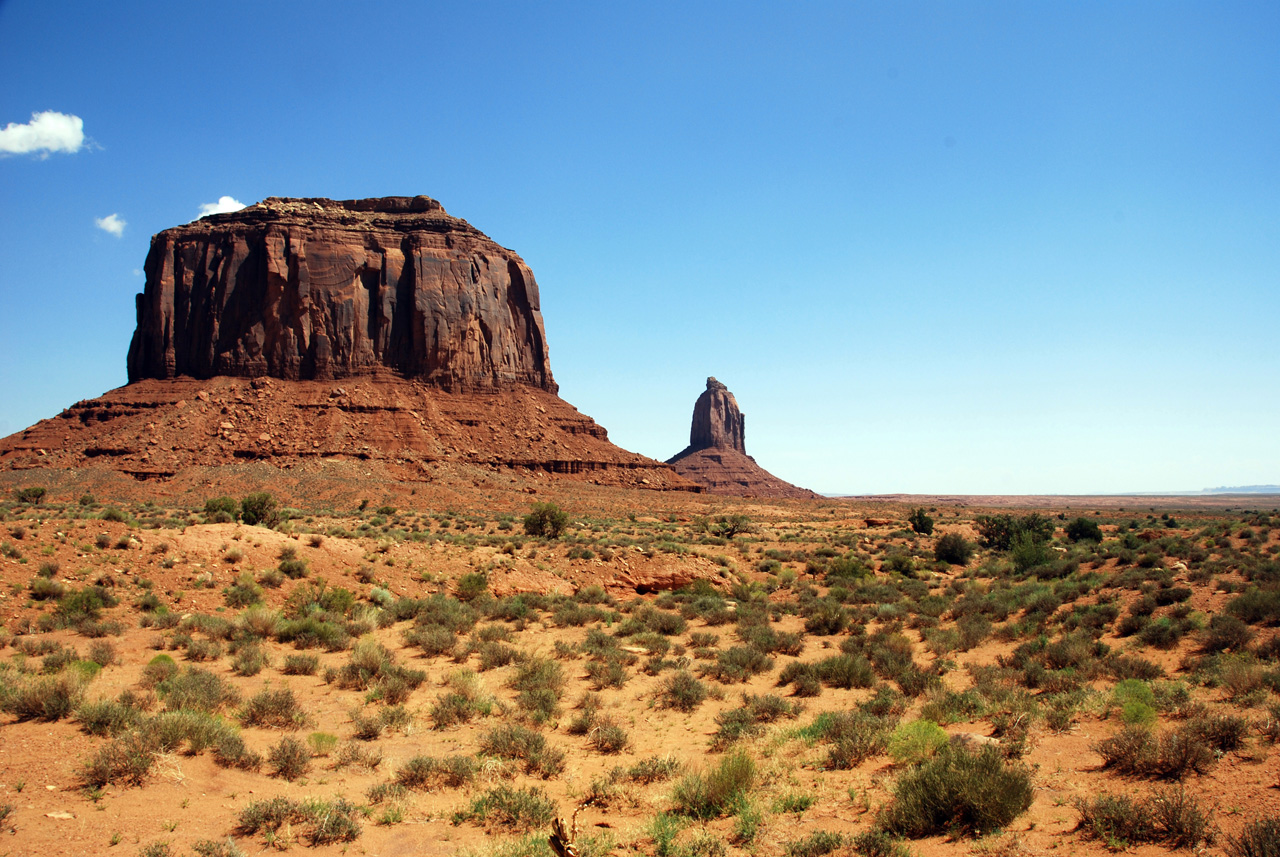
column 305, row 289
column 716, row 457
column 717, row 422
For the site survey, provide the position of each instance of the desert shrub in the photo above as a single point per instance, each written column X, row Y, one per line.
column 510, row 809
column 249, row 660
column 244, row 592
column 300, row 665
column 125, row 761
column 826, row 619
column 682, row 692
column 472, row 586
column 1256, row 606
column 1225, row 633
column 259, row 508
column 318, row 822
column 1170, row 755
column 217, row 848
column 845, row 671
column 1083, row 529
column 816, row 844
column 953, row 549
column 428, row 772
column 32, row 495
column 608, row 736
column 431, row 639
column 101, row 652
column 738, row 664
column 1258, row 838
column 854, row 737
column 1222, row 732
column 716, row 791
column 530, row 748
column 274, row 709
column 221, row 510
column 1170, row 817
column 289, row 759
column 917, row 741
column 196, row 689
column 610, row 672
column 107, row 717
column 44, row 589
column 958, row 790
column 999, row 532
column 46, row 698
column 653, row 769
column 920, row 522
column 546, row 519
column 538, row 683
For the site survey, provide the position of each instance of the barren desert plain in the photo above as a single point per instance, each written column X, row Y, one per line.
column 447, row 671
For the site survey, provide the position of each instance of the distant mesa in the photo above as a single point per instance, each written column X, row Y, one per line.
column 716, row 456
column 382, row 336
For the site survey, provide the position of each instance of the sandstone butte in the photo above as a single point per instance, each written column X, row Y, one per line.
column 716, row 457
column 308, row 333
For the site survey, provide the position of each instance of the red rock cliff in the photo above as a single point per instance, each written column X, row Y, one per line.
column 318, row 289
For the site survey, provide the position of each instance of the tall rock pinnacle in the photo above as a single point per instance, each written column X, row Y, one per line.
column 304, row 289
column 716, row 456
column 717, row 422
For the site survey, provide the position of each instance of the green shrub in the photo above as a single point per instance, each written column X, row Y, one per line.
column 32, row 495
column 916, row 742
column 920, row 522
column 546, row 519
column 472, row 586
column 959, row 791
column 1083, row 529
column 259, row 508
column 221, row 510
column 953, row 549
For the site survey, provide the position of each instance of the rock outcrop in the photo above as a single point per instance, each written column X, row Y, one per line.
column 318, row 289
column 716, row 456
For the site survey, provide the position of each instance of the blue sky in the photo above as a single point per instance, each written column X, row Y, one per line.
column 931, row 247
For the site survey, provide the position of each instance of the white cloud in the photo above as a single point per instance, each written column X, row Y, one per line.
column 111, row 223
column 46, row 132
column 224, row 205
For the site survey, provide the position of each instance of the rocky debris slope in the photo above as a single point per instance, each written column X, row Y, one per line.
column 154, row 430
column 716, row 456
column 324, row 289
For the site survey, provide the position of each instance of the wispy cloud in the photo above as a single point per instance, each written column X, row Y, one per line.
column 224, row 205
column 46, row 132
column 111, row 223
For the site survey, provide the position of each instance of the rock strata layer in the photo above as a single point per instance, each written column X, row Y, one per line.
column 318, row 289
column 716, row 457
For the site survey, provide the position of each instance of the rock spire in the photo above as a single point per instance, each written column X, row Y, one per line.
column 716, row 456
